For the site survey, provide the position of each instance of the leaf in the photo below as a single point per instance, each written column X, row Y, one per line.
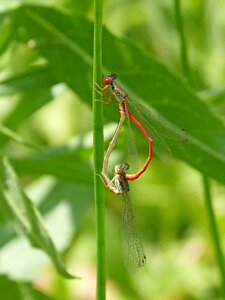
column 6, row 32
column 68, row 51
column 215, row 98
column 68, row 162
column 28, row 103
column 35, row 78
column 28, row 217
column 16, row 137
column 11, row 290
column 64, row 206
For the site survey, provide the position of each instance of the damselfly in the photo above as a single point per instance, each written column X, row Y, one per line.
column 131, row 244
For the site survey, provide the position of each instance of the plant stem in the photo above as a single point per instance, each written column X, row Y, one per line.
column 214, row 231
column 208, row 199
column 183, row 44
column 98, row 153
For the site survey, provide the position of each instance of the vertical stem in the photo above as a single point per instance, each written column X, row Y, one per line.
column 214, row 231
column 98, row 153
column 183, row 44
column 208, row 199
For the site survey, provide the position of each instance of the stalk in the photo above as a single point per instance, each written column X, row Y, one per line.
column 214, row 231
column 206, row 185
column 98, row 146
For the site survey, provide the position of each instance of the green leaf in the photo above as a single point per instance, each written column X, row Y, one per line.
column 215, row 98
column 6, row 32
column 11, row 290
column 68, row 51
column 64, row 206
column 28, row 103
column 16, row 137
column 68, row 162
column 35, row 78
column 28, row 217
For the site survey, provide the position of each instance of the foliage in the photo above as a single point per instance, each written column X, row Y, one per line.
column 46, row 60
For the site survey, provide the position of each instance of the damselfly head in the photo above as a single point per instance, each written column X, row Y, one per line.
column 109, row 79
column 121, row 168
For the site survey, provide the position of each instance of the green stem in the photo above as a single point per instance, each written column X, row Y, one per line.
column 98, row 147
column 208, row 199
column 183, row 44
column 214, row 231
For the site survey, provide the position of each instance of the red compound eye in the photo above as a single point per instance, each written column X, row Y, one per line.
column 106, row 80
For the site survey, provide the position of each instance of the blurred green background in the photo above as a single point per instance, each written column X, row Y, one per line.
column 45, row 91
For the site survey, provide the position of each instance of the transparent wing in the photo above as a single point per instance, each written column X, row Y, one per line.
column 131, row 245
column 162, row 132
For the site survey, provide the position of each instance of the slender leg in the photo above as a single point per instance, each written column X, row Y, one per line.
column 103, row 92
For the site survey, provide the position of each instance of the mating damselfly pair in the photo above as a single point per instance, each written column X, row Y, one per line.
column 157, row 132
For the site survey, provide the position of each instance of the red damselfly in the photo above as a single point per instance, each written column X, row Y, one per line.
column 150, row 123
column 123, row 115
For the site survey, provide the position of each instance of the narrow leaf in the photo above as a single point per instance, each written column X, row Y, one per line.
column 29, row 218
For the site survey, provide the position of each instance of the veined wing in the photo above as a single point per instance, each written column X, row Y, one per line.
column 131, row 244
